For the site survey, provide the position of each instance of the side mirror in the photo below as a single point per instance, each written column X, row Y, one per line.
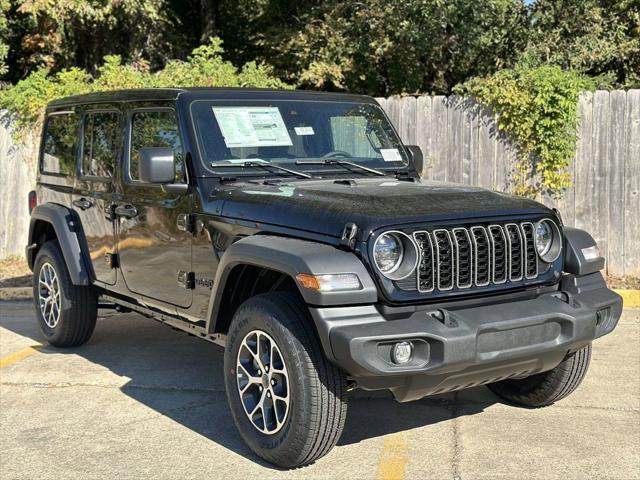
column 416, row 158
column 157, row 165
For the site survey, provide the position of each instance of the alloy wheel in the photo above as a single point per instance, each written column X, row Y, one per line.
column 49, row 295
column 263, row 382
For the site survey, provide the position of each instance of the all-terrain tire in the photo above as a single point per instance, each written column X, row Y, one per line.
column 317, row 389
column 546, row 388
column 77, row 305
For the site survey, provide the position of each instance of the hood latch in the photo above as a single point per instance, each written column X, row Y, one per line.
column 349, row 235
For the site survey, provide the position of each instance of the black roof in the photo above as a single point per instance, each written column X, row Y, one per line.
column 149, row 94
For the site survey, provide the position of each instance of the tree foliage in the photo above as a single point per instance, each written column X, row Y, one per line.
column 204, row 67
column 380, row 47
column 599, row 38
column 538, row 108
column 370, row 46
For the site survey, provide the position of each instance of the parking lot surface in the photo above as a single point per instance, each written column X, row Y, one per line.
column 143, row 401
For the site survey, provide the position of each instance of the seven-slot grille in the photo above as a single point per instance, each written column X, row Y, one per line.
column 477, row 256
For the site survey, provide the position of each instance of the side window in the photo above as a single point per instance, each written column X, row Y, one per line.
column 155, row 129
column 59, row 148
column 100, row 143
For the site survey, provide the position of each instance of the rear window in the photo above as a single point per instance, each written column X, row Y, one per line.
column 100, row 143
column 59, row 148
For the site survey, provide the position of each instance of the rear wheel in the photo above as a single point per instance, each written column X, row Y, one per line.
column 66, row 312
column 287, row 400
column 546, row 388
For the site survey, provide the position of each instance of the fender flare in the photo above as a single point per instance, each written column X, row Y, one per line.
column 293, row 256
column 70, row 238
column 575, row 240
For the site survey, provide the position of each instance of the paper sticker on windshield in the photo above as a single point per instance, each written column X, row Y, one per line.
column 252, row 127
column 390, row 155
column 304, row 131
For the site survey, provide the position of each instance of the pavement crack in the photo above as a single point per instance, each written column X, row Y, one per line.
column 457, row 446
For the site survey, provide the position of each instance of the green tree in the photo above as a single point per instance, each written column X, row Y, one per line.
column 79, row 33
column 600, row 38
column 4, row 31
column 380, row 47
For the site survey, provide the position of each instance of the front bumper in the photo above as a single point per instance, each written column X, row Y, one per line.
column 461, row 348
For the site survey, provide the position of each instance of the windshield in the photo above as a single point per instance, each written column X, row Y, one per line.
column 286, row 132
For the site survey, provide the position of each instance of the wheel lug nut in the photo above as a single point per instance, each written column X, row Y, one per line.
column 259, row 372
column 273, row 382
column 260, row 388
column 269, row 394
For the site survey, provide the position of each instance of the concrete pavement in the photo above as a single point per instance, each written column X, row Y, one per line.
column 143, row 401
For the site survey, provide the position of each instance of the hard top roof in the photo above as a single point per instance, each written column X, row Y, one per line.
column 211, row 93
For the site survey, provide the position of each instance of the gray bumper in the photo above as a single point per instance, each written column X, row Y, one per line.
column 466, row 347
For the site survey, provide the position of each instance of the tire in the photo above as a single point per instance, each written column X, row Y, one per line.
column 546, row 388
column 317, row 406
column 77, row 305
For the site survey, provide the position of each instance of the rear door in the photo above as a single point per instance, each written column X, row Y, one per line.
column 154, row 255
column 100, row 147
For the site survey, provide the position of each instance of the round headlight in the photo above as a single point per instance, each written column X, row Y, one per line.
column 544, row 237
column 395, row 255
column 388, row 252
column 548, row 240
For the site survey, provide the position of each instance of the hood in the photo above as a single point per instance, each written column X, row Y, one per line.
column 325, row 206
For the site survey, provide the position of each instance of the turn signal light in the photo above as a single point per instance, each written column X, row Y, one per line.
column 333, row 282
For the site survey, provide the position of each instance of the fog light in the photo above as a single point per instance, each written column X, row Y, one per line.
column 402, row 352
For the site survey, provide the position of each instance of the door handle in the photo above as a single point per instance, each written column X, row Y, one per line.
column 82, row 203
column 127, row 211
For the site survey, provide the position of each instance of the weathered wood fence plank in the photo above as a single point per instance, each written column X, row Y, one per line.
column 631, row 234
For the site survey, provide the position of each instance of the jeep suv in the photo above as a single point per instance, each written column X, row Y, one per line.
column 293, row 229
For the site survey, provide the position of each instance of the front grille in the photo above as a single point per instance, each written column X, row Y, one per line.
column 475, row 257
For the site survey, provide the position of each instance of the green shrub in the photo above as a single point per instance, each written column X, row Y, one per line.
column 26, row 101
column 536, row 107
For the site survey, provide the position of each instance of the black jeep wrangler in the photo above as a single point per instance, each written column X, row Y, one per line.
column 293, row 229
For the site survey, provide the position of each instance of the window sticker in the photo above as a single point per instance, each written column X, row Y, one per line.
column 304, row 131
column 252, row 127
column 390, row 155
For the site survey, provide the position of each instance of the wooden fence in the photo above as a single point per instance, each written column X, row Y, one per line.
column 460, row 144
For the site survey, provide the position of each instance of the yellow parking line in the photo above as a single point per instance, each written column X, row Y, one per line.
column 630, row 298
column 19, row 355
column 393, row 458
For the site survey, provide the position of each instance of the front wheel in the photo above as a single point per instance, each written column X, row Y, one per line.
column 287, row 401
column 546, row 388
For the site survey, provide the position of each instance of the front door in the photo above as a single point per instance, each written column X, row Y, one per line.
column 92, row 199
column 154, row 255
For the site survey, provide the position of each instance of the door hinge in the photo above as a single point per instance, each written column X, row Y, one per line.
column 186, row 223
column 110, row 212
column 187, row 280
column 112, row 260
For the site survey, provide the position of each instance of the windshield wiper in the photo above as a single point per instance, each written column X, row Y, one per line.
column 336, row 161
column 265, row 165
